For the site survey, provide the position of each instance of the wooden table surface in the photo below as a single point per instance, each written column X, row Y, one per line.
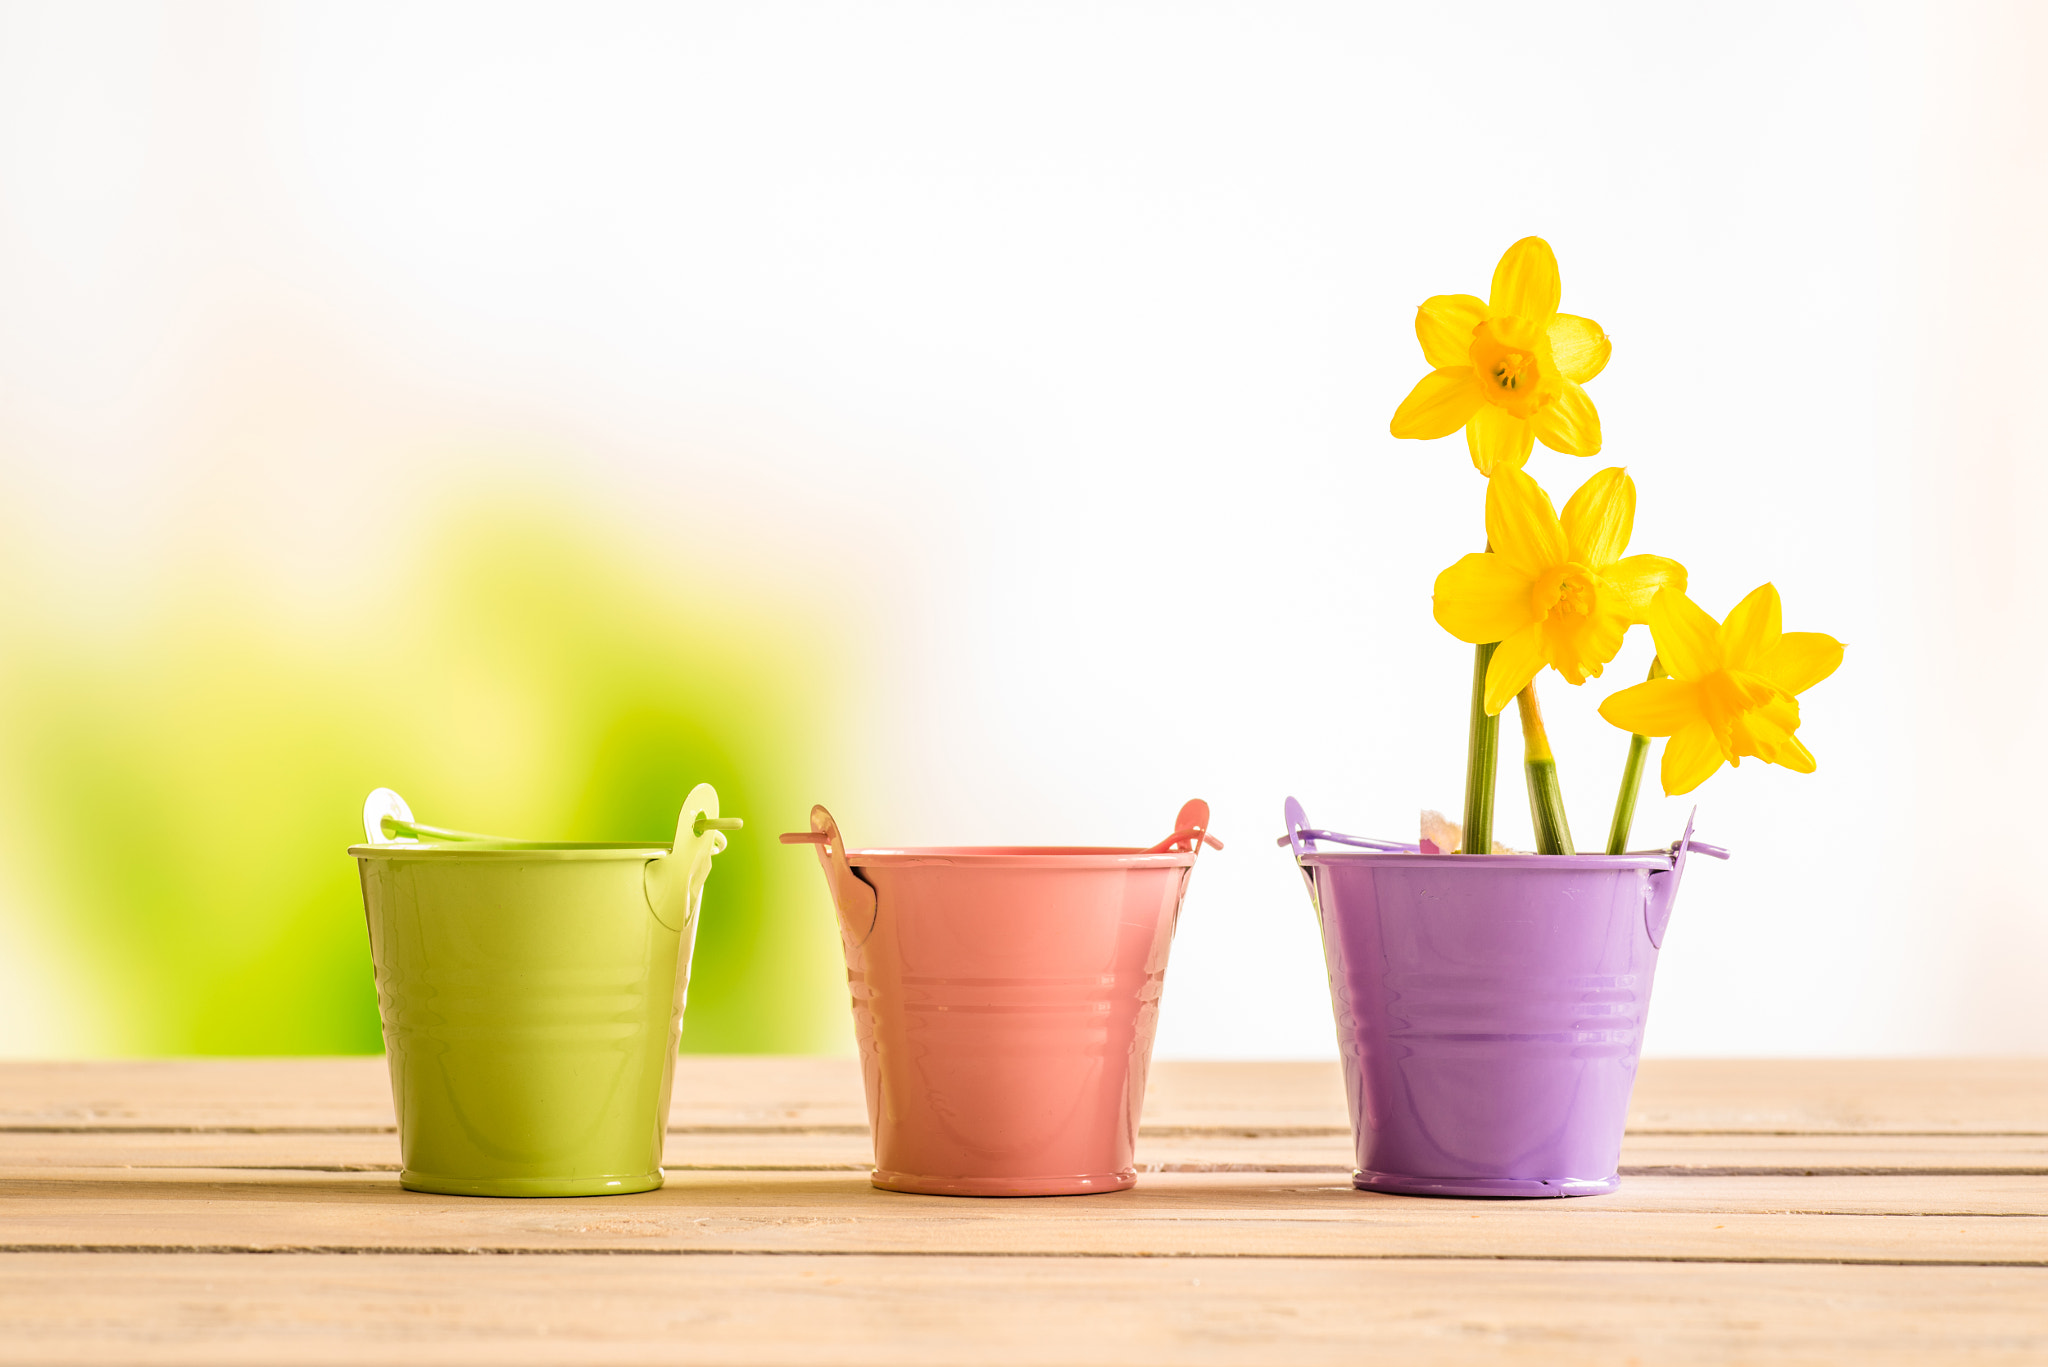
column 227, row 1211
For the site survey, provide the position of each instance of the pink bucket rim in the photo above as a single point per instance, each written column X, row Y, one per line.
column 1020, row 857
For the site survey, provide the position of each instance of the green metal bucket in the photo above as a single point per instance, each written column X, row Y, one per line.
column 532, row 998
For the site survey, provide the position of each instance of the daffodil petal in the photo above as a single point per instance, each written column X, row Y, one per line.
column 1688, row 641
column 1484, row 598
column 1799, row 660
column 1636, row 579
column 1525, row 283
column 1441, row 403
column 1690, row 758
column 1569, row 423
column 1578, row 346
column 1516, row 660
column 1444, row 325
column 1498, row 440
column 1599, row 518
column 1752, row 627
column 1794, row 755
column 1661, row 707
column 1521, row 524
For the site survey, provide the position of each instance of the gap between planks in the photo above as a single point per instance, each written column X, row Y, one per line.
column 606, row 1251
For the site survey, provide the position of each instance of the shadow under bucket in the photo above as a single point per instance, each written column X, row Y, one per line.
column 1489, row 1008
column 532, row 997
column 1004, row 1001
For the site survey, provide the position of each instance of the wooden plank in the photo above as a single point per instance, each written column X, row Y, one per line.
column 1870, row 1219
column 1673, row 1096
column 792, row 1150
column 797, row 1150
column 263, row 1094
column 343, row 1094
column 1650, row 1154
column 1251, row 1098
column 2007, row 1096
column 78, row 1309
column 1834, row 1154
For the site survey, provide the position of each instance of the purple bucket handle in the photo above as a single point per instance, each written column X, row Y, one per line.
column 1664, row 886
column 1298, row 835
column 1302, row 837
column 1302, row 840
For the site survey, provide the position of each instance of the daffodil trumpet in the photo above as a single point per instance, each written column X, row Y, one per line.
column 1539, row 767
column 1631, row 782
column 1482, row 761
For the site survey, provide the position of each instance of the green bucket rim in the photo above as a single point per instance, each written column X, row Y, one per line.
column 510, row 849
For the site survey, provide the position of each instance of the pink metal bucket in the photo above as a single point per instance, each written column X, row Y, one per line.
column 1004, row 1001
column 1489, row 1008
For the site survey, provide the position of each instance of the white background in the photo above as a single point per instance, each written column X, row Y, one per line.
column 1057, row 343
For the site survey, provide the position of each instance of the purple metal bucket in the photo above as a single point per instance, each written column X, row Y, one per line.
column 1489, row 1008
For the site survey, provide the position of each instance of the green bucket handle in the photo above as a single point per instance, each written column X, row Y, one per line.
column 674, row 881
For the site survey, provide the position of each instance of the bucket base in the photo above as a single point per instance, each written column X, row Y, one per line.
column 1524, row 1187
column 1080, row 1184
column 603, row 1184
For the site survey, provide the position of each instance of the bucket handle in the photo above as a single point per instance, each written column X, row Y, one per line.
column 387, row 820
column 1302, row 837
column 852, row 896
column 1190, row 831
column 674, row 882
column 1664, row 886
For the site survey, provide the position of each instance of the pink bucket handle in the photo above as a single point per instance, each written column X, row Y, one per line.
column 852, row 896
column 1190, row 831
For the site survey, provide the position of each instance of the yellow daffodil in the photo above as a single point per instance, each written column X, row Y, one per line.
column 1732, row 690
column 1552, row 591
column 1509, row 369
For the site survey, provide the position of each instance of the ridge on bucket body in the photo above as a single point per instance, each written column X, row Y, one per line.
column 531, row 994
column 1489, row 1009
column 1004, row 1001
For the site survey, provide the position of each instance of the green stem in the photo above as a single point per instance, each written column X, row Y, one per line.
column 1546, row 798
column 1631, row 783
column 1625, row 800
column 1482, row 761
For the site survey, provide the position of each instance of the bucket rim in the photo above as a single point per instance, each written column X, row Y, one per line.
column 1019, row 856
column 553, row 850
column 1656, row 861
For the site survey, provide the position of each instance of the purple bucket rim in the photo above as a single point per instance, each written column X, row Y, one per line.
column 1657, row 861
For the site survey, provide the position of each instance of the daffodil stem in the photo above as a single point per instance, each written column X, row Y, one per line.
column 1482, row 761
column 1546, row 798
column 1625, row 800
column 1631, row 783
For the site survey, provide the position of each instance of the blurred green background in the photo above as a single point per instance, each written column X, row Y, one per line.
column 181, row 785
